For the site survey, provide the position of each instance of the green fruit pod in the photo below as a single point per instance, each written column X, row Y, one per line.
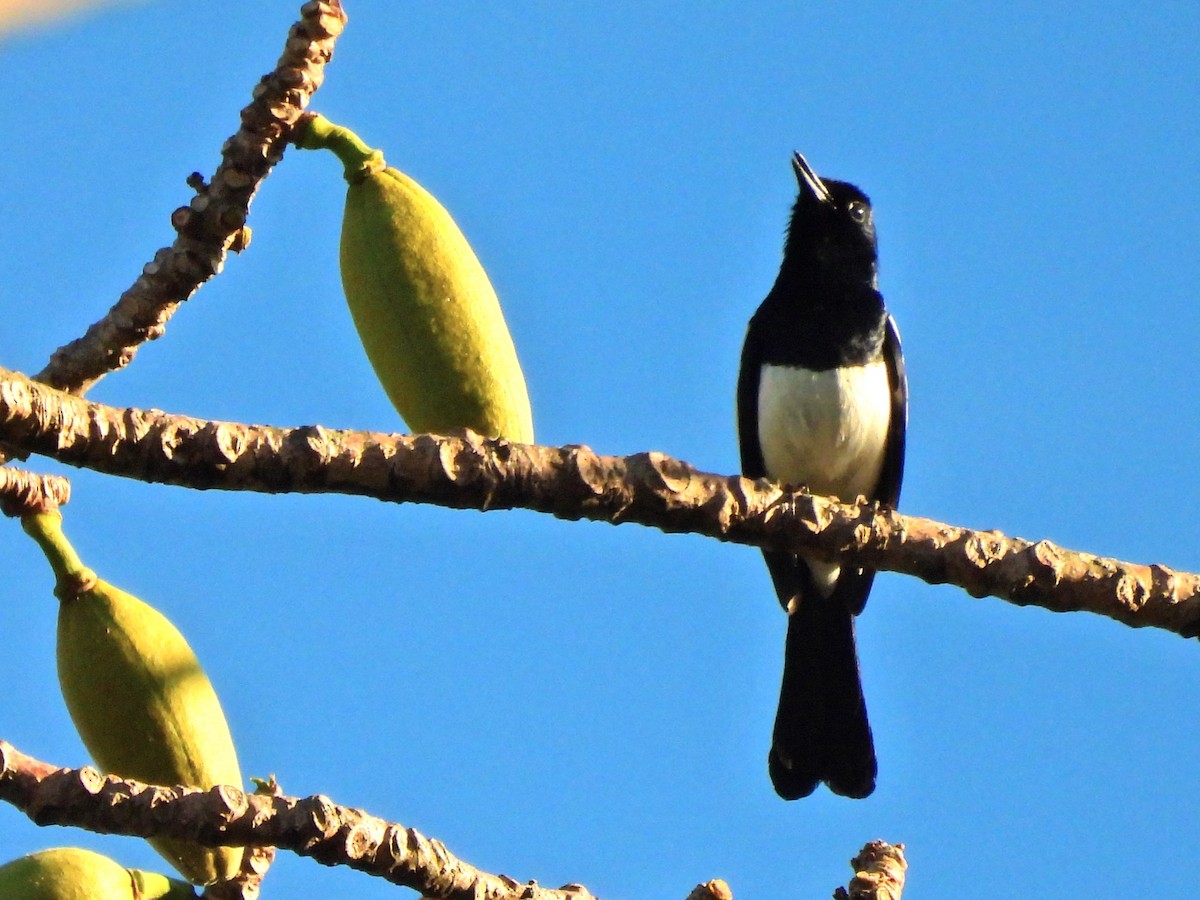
column 71, row 873
column 138, row 697
column 425, row 311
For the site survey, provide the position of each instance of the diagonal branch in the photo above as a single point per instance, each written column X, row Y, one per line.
column 225, row 816
column 213, row 222
column 573, row 482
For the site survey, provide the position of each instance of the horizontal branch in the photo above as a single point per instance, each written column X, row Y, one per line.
column 316, row 827
column 213, row 222
column 573, row 482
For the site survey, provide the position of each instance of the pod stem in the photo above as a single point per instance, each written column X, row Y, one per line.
column 315, row 132
column 152, row 886
column 71, row 576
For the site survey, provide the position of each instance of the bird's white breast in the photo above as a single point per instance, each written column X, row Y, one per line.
column 826, row 431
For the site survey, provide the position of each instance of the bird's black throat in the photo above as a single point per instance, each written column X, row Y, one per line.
column 820, row 329
column 824, row 310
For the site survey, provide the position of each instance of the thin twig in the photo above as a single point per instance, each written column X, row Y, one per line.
column 573, row 482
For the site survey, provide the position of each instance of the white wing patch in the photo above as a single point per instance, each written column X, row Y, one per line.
column 826, row 431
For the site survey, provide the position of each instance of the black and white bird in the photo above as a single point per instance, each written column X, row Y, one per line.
column 822, row 403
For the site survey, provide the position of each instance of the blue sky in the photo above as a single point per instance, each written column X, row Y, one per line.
column 576, row 702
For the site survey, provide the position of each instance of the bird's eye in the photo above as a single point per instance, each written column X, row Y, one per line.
column 858, row 211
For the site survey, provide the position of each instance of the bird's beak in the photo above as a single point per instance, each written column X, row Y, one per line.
column 809, row 180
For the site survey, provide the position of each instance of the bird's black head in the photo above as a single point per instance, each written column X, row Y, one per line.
column 831, row 236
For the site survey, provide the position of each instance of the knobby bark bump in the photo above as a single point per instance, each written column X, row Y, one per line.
column 466, row 471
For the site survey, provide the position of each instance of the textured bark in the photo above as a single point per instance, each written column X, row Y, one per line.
column 573, row 482
column 22, row 492
column 879, row 872
column 711, row 890
column 214, row 221
column 247, row 883
column 225, row 816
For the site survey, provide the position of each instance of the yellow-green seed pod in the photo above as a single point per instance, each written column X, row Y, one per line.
column 424, row 308
column 71, row 873
column 137, row 694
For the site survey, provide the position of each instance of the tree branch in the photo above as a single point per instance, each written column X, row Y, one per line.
column 573, row 482
column 247, row 883
column 214, row 221
column 879, row 871
column 225, row 816
column 22, row 492
column 711, row 890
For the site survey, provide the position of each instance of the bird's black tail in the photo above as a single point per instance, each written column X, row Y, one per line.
column 821, row 728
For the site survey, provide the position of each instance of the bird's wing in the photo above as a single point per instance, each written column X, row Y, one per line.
column 888, row 490
column 782, row 566
column 747, row 408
